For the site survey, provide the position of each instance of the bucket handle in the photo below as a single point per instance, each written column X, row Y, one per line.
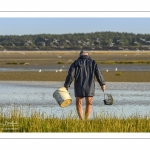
column 64, row 91
column 104, row 94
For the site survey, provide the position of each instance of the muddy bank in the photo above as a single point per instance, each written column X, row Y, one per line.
column 111, row 76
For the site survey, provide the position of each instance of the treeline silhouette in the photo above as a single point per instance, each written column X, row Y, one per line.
column 77, row 41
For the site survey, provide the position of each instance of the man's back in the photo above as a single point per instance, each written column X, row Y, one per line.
column 83, row 70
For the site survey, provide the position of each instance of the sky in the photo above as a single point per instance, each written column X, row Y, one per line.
column 64, row 25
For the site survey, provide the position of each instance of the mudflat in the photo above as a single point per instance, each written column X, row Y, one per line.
column 66, row 57
column 53, row 58
column 124, row 76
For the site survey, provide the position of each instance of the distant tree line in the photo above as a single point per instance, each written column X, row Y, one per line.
column 77, row 41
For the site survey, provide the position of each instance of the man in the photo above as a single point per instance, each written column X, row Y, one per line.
column 83, row 72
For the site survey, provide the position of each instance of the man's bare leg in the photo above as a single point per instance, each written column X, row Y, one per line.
column 88, row 106
column 79, row 107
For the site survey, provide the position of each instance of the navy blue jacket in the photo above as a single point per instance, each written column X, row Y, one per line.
column 83, row 71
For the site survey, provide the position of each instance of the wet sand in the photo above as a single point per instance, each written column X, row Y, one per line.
column 127, row 76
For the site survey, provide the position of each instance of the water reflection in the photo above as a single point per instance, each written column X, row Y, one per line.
column 129, row 98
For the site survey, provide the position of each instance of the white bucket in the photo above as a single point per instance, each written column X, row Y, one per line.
column 62, row 96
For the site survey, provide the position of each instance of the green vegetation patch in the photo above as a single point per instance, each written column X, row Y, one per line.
column 124, row 62
column 106, row 62
column 17, row 63
column 11, row 63
column 61, row 62
column 119, row 74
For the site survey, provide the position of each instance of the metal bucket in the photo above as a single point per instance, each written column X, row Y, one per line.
column 62, row 97
column 108, row 99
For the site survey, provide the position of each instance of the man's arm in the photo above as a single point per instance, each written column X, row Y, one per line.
column 100, row 78
column 70, row 76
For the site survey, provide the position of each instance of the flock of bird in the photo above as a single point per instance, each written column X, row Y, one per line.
column 60, row 70
column 56, row 43
column 85, row 43
column 59, row 56
column 115, row 70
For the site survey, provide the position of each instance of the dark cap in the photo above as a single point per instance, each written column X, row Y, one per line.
column 83, row 52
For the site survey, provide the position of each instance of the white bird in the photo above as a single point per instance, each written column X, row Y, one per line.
column 22, row 53
column 62, row 47
column 60, row 70
column 111, row 44
column 135, row 42
column 79, row 41
column 68, row 41
column 56, row 42
column 26, row 63
column 97, row 40
column 56, row 70
column 70, row 60
column 59, row 56
column 116, row 69
column 107, row 70
column 29, row 41
column 55, row 46
column 26, row 44
column 43, row 43
column 40, row 70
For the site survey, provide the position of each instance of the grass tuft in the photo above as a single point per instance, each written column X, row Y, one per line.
column 119, row 74
column 61, row 62
column 11, row 63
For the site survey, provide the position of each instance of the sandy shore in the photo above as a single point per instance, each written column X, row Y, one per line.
column 131, row 76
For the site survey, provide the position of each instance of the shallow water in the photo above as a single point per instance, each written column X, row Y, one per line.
column 103, row 67
column 129, row 98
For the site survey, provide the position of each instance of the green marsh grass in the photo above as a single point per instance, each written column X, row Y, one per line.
column 11, row 63
column 119, row 73
column 125, row 62
column 16, row 121
column 17, row 63
column 61, row 62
